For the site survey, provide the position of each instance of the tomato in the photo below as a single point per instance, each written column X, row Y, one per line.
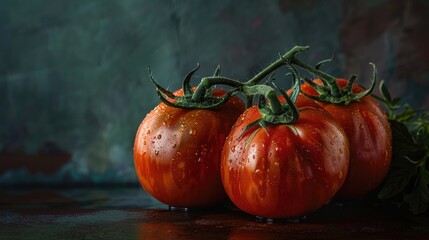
column 287, row 170
column 370, row 137
column 177, row 152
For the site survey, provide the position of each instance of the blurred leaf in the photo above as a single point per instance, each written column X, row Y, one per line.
column 396, row 182
column 403, row 142
column 418, row 199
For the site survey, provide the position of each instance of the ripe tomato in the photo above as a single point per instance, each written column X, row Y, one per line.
column 288, row 171
column 370, row 137
column 177, row 152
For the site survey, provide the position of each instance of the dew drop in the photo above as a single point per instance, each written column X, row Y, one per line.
column 174, row 145
column 276, row 163
column 156, row 152
column 148, row 132
column 277, row 148
column 233, row 148
column 253, row 156
column 159, row 136
column 192, row 132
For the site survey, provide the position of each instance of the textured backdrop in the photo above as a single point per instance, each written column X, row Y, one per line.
column 73, row 78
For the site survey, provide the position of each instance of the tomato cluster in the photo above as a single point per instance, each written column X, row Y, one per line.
column 284, row 157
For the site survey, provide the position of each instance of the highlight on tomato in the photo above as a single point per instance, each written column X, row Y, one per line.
column 364, row 122
column 284, row 160
column 177, row 148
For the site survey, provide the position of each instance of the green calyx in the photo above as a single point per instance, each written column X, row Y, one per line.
column 187, row 101
column 202, row 97
column 272, row 111
column 330, row 91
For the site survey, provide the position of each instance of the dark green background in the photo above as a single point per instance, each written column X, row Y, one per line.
column 73, row 73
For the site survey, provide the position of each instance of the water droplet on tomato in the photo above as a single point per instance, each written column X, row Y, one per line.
column 159, row 136
column 277, row 148
column 148, row 132
column 156, row 152
column 233, row 148
column 192, row 131
column 276, row 163
column 199, row 159
column 253, row 156
column 174, row 145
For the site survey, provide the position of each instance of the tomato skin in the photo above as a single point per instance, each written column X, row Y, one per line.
column 370, row 137
column 291, row 171
column 177, row 152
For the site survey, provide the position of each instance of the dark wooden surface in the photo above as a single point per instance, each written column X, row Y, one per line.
column 129, row 213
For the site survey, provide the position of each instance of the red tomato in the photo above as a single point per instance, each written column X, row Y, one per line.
column 370, row 137
column 177, row 152
column 290, row 171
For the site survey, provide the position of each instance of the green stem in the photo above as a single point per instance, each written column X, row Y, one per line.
column 327, row 79
column 208, row 82
column 268, row 92
column 277, row 64
column 275, row 104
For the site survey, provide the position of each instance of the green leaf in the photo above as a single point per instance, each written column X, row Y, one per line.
column 408, row 176
column 406, row 115
column 403, row 142
column 418, row 199
column 396, row 182
column 384, row 92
